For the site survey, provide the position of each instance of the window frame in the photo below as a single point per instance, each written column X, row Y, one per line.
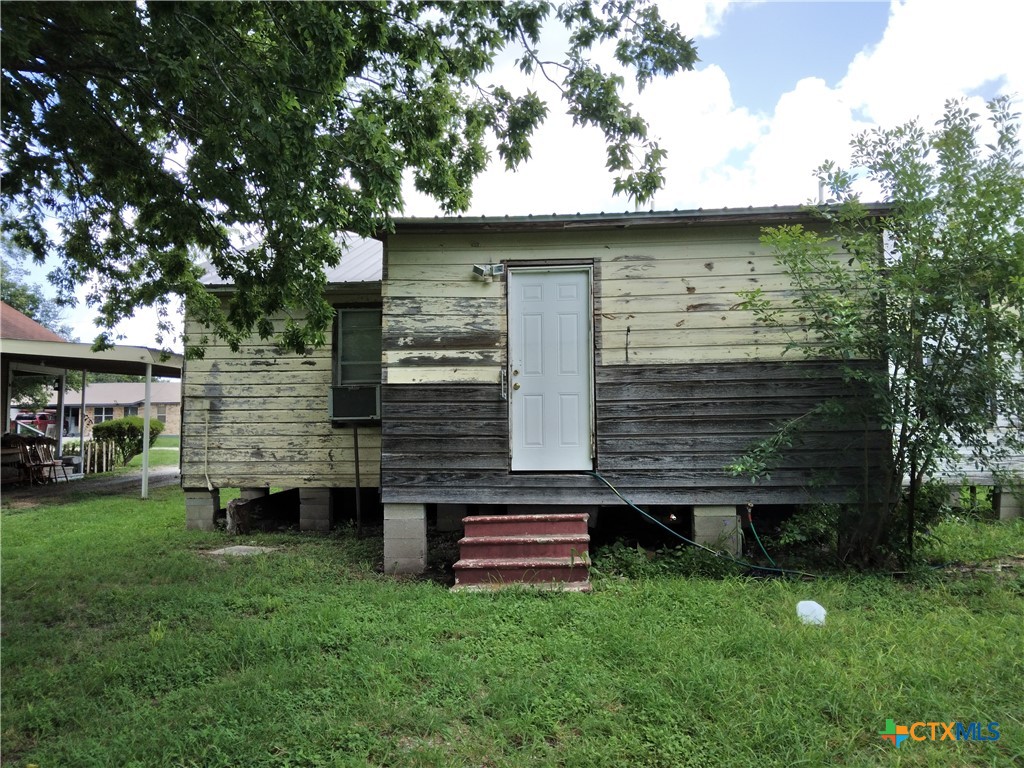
column 337, row 379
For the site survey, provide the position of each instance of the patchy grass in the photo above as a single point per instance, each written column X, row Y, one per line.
column 124, row 644
column 974, row 541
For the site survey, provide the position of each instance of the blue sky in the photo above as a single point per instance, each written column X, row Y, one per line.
column 766, row 48
column 780, row 88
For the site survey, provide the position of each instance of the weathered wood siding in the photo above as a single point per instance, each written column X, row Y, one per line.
column 259, row 417
column 665, row 436
column 685, row 381
column 662, row 296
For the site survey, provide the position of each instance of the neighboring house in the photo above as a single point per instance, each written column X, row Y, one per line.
column 105, row 401
column 516, row 356
column 965, row 471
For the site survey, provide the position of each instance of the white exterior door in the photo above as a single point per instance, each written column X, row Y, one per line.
column 550, row 368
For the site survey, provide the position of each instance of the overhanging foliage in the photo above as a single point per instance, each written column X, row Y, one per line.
column 150, row 131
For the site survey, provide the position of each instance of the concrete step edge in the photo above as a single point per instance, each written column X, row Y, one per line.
column 539, row 586
column 555, row 517
column 581, row 561
column 528, row 538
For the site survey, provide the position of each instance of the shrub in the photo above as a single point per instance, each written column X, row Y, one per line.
column 635, row 562
column 621, row 559
column 814, row 527
column 126, row 434
column 814, row 533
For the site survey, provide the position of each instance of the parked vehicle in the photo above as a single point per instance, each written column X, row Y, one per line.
column 41, row 420
column 25, row 419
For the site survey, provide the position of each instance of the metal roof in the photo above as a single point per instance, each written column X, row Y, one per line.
column 361, row 262
column 776, row 214
column 122, row 393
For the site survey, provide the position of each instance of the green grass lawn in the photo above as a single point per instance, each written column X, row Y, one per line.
column 159, row 456
column 163, row 453
column 124, row 645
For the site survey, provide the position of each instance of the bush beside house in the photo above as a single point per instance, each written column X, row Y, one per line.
column 127, row 434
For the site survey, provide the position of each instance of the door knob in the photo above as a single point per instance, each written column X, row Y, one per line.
column 516, row 385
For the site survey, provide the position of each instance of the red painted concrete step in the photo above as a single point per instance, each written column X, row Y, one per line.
column 548, row 551
column 530, row 570
column 537, row 525
column 546, row 545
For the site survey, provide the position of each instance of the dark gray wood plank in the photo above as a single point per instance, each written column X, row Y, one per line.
column 664, row 435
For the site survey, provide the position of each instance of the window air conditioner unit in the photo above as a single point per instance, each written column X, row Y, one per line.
column 355, row 403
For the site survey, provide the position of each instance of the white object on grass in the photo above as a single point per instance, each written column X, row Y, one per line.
column 810, row 612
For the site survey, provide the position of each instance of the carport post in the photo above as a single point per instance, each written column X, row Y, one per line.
column 145, row 432
column 60, row 413
column 81, row 421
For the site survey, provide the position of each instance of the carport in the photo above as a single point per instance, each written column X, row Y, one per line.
column 28, row 348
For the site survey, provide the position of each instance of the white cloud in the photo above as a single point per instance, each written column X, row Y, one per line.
column 697, row 19
column 810, row 123
column 722, row 155
column 140, row 330
column 932, row 51
column 692, row 115
column 695, row 119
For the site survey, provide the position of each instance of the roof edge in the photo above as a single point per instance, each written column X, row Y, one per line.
column 53, row 353
column 559, row 222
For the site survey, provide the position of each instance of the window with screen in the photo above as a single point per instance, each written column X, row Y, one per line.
column 355, row 395
column 357, row 346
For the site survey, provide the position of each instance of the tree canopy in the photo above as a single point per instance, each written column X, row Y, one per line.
column 152, row 131
column 941, row 310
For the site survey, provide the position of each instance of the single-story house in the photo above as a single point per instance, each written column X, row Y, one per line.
column 105, row 401
column 518, row 364
column 964, row 471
